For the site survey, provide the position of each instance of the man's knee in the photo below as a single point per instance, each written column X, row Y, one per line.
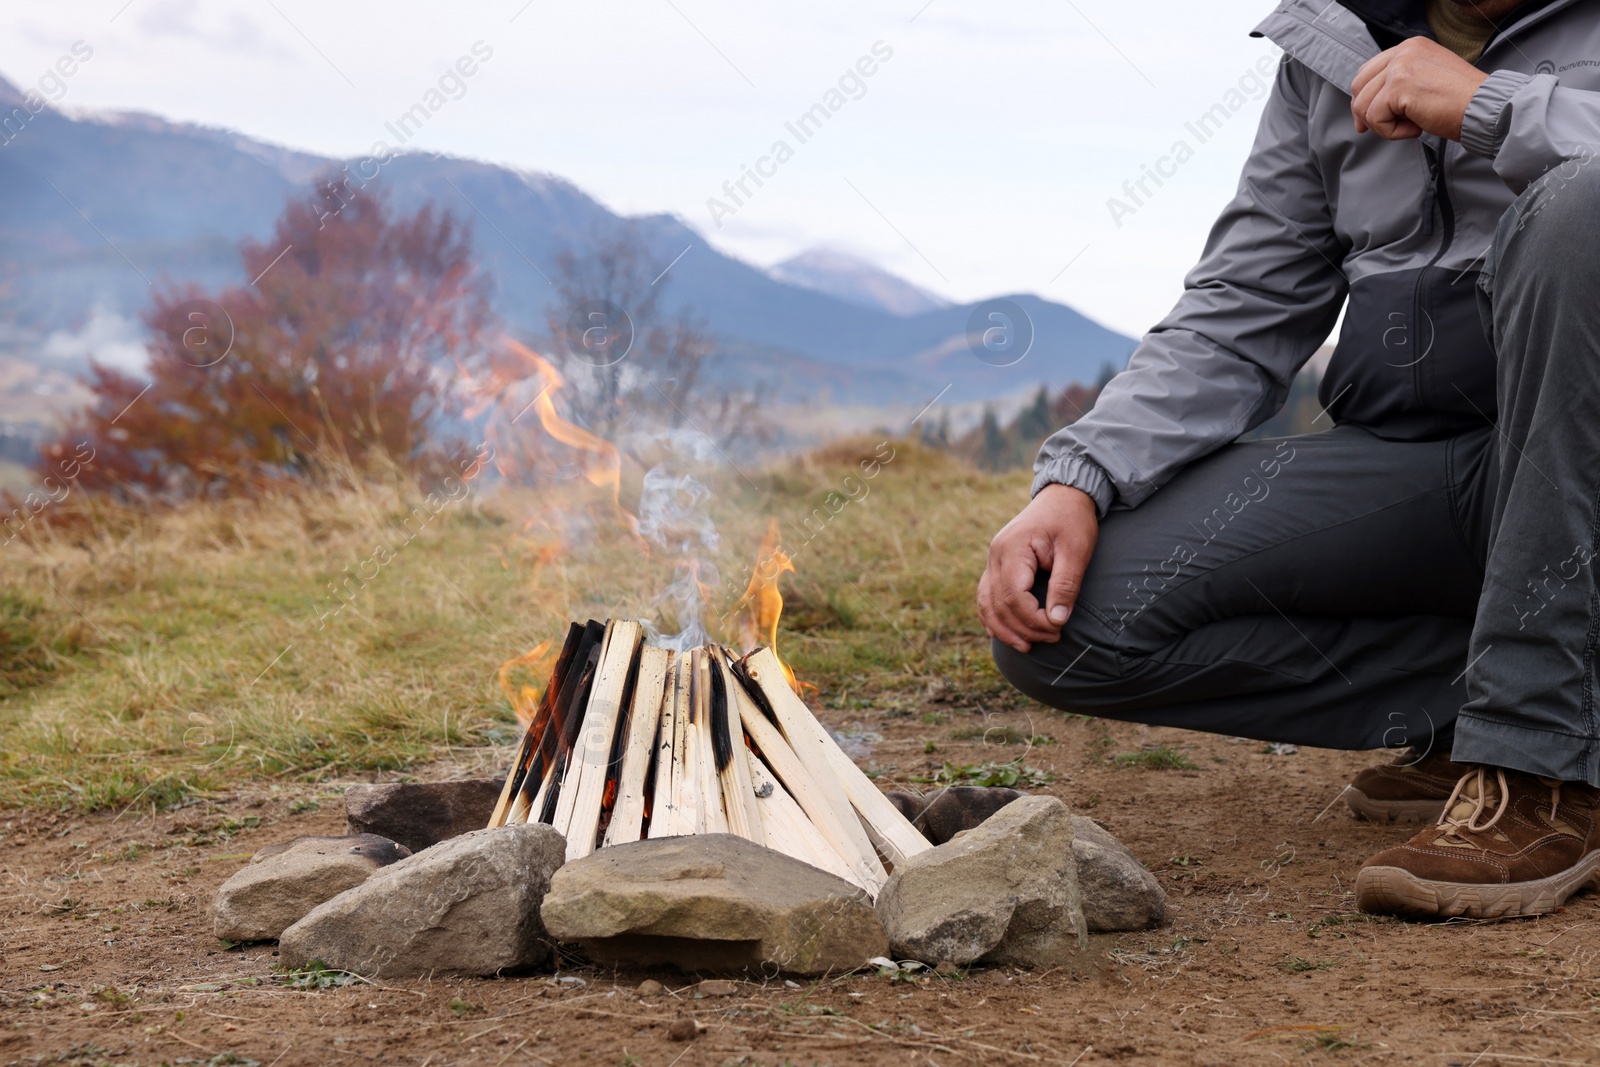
column 1070, row 674
column 1554, row 226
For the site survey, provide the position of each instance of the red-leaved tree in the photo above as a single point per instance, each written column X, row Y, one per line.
column 328, row 360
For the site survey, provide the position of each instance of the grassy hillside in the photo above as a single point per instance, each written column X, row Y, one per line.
column 148, row 656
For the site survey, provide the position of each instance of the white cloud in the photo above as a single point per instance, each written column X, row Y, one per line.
column 107, row 338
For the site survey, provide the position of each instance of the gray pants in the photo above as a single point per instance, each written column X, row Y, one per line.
column 1345, row 591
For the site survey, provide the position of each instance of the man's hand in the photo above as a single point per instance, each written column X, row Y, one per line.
column 1418, row 86
column 1055, row 532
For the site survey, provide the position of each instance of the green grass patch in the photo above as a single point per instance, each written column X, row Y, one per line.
column 150, row 656
column 315, row 975
column 1156, row 758
column 988, row 773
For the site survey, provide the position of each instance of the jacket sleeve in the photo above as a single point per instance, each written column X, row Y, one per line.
column 1528, row 123
column 1264, row 295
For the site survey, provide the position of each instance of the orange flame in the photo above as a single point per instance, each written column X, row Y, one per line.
column 762, row 603
column 518, row 455
column 565, row 463
column 523, row 697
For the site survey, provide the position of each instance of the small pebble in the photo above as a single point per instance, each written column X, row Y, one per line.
column 946, row 967
column 651, row 988
column 683, row 1030
column 716, row 987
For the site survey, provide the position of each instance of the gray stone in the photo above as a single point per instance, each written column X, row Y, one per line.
column 1003, row 892
column 468, row 906
column 284, row 881
column 911, row 805
column 711, row 902
column 421, row 814
column 381, row 850
column 1117, row 892
column 961, row 807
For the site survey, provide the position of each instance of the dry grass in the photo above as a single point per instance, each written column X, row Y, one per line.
column 149, row 655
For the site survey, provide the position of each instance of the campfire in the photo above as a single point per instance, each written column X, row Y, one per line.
column 629, row 741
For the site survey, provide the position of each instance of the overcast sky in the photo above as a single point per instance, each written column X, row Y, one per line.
column 976, row 159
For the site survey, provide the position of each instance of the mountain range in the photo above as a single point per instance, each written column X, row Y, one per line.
column 99, row 207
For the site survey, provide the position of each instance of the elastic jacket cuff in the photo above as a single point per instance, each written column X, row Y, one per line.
column 1488, row 115
column 1080, row 472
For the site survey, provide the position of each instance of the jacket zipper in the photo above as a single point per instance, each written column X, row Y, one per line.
column 1437, row 192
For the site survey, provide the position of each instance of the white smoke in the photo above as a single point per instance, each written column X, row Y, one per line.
column 673, row 516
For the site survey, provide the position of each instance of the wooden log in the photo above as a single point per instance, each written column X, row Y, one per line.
column 708, row 785
column 805, row 736
column 560, row 760
column 650, row 694
column 788, row 829
column 663, row 805
column 546, row 765
column 686, row 771
column 887, row 829
column 570, row 758
column 518, row 814
column 520, row 767
column 738, row 793
column 579, row 818
column 827, row 808
column 541, row 807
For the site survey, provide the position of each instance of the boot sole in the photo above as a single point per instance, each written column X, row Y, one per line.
column 1392, row 811
column 1396, row 891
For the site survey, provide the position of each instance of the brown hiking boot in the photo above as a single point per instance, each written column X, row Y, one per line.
column 1407, row 790
column 1508, row 844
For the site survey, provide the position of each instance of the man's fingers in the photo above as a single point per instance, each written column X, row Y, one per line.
column 1007, row 637
column 992, row 625
column 1062, row 594
column 1378, row 108
column 1014, row 600
column 1021, row 613
column 1032, row 542
column 1014, row 615
column 1369, row 70
column 1362, row 101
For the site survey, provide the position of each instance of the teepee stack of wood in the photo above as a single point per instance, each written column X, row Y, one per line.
column 631, row 742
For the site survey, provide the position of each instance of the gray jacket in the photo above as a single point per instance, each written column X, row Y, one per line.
column 1323, row 214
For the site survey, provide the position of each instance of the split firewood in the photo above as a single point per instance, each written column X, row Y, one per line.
column 650, row 693
column 550, row 760
column 578, row 816
column 683, row 810
column 566, row 796
column 788, row 829
column 561, row 757
column 888, row 830
column 827, row 809
column 629, row 741
column 663, row 801
column 708, row 785
column 738, row 793
column 536, row 727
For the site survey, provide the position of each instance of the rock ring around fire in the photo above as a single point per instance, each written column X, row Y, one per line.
column 712, row 902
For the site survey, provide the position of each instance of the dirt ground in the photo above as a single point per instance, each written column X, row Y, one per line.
column 106, row 952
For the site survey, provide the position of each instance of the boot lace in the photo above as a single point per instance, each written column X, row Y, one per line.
column 1461, row 823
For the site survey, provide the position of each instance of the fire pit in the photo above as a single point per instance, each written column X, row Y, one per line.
column 632, row 742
